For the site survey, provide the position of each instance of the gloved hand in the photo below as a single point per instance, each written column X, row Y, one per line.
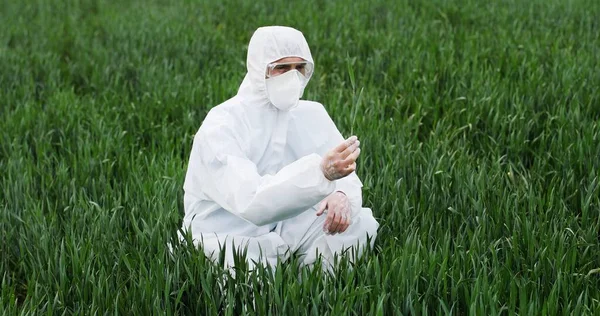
column 341, row 160
column 338, row 213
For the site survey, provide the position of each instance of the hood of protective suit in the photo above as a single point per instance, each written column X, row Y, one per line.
column 268, row 44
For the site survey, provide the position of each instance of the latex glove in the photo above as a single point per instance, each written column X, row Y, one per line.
column 338, row 213
column 341, row 160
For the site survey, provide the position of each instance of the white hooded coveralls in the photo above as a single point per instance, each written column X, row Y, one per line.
column 254, row 178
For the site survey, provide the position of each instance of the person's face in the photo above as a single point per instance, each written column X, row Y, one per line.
column 286, row 64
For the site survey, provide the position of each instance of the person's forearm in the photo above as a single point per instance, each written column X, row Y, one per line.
column 293, row 190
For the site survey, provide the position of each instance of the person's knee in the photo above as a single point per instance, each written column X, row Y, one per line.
column 369, row 225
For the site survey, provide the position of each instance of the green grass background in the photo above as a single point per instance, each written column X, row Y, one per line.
column 479, row 122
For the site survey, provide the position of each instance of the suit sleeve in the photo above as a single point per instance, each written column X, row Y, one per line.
column 220, row 170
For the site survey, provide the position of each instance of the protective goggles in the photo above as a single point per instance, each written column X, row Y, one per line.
column 276, row 69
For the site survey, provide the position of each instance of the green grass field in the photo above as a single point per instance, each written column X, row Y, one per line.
column 479, row 123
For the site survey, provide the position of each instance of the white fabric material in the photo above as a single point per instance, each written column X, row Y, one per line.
column 269, row 44
column 285, row 90
column 302, row 234
column 254, row 169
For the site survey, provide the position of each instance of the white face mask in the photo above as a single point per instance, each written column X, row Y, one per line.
column 285, row 90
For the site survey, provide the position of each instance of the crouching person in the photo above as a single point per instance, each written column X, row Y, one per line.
column 270, row 174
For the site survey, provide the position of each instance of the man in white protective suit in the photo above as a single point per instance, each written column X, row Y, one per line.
column 272, row 173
